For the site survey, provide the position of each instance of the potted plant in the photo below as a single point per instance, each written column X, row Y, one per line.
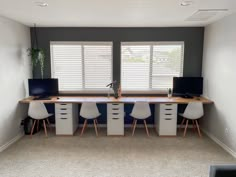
column 37, row 57
column 37, row 54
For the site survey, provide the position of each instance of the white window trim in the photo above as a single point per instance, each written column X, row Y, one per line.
column 150, row 91
column 82, row 91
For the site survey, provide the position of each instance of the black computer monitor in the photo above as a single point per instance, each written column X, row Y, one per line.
column 187, row 86
column 43, row 87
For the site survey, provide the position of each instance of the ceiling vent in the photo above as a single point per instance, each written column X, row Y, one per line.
column 205, row 14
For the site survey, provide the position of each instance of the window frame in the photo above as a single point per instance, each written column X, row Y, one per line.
column 82, row 91
column 151, row 43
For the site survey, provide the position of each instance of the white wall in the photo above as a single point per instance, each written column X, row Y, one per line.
column 14, row 72
column 219, row 72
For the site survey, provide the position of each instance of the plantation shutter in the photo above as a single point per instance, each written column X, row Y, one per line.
column 81, row 65
column 150, row 65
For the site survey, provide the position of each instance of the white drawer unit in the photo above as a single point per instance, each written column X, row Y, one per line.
column 115, row 119
column 66, row 118
column 166, row 119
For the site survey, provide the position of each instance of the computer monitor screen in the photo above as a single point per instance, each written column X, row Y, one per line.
column 43, row 87
column 187, row 85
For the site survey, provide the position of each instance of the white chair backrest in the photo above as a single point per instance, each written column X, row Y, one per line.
column 141, row 110
column 37, row 110
column 194, row 110
column 89, row 110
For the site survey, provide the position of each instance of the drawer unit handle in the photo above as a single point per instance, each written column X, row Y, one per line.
column 168, row 109
column 168, row 114
column 168, row 104
column 63, row 104
column 63, row 113
column 115, row 104
column 63, row 118
column 115, row 118
column 168, row 119
column 115, row 108
column 63, row 109
column 115, row 113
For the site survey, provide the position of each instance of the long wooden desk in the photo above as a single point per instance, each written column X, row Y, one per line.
column 130, row 99
column 165, row 116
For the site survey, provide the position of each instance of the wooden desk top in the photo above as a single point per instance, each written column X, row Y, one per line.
column 130, row 99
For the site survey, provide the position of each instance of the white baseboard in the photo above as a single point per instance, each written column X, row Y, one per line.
column 12, row 141
column 221, row 144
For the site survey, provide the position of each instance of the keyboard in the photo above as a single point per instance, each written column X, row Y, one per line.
column 187, row 96
column 42, row 98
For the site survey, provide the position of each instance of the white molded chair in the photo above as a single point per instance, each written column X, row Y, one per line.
column 193, row 111
column 38, row 111
column 89, row 110
column 141, row 111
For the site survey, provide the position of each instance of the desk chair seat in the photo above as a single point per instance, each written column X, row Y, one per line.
column 141, row 111
column 38, row 111
column 89, row 110
column 193, row 112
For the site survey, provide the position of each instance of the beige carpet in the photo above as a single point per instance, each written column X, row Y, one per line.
column 88, row 156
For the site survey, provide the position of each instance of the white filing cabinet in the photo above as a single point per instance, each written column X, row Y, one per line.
column 166, row 119
column 66, row 118
column 115, row 118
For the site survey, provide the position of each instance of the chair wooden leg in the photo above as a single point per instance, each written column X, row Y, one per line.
column 95, row 127
column 145, row 124
column 32, row 129
column 48, row 124
column 45, row 128
column 198, row 129
column 82, row 131
column 182, row 123
column 37, row 125
column 186, row 126
column 194, row 128
column 135, row 123
column 132, row 124
column 97, row 123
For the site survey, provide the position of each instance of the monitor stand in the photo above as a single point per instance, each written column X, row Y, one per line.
column 43, row 97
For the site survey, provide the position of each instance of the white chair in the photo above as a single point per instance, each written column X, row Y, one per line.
column 141, row 111
column 38, row 111
column 193, row 111
column 89, row 110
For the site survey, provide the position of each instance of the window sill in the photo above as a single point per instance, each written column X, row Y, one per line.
column 125, row 92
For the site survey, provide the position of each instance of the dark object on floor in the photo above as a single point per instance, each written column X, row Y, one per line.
column 223, row 171
column 28, row 123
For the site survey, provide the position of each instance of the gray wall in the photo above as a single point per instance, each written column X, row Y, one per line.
column 14, row 71
column 193, row 38
column 219, row 73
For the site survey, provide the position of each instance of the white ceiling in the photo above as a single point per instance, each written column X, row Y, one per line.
column 111, row 13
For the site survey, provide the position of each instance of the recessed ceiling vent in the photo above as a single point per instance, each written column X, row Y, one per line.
column 205, row 14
